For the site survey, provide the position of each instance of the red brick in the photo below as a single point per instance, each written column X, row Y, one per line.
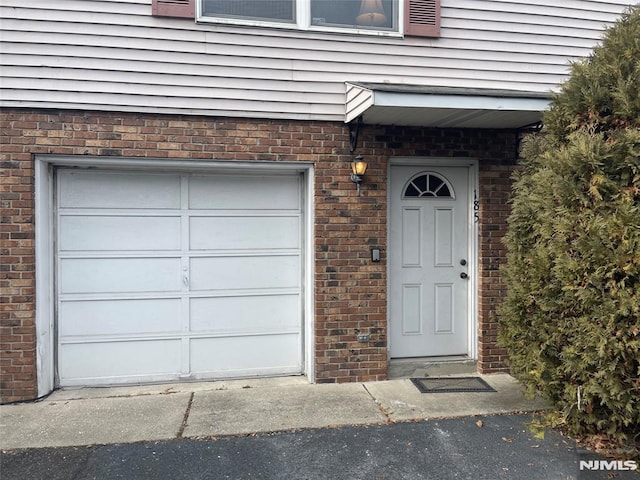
column 350, row 292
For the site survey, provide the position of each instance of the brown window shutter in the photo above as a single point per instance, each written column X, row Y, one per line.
column 422, row 18
column 174, row 8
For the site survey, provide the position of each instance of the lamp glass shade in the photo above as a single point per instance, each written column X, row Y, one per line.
column 358, row 167
column 371, row 14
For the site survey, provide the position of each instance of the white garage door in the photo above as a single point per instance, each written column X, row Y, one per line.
column 169, row 276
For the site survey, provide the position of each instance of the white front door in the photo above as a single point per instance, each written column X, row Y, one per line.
column 429, row 268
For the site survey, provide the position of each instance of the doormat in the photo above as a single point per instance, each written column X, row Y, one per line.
column 451, row 384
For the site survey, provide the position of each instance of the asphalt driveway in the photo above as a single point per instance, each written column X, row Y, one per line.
column 474, row 447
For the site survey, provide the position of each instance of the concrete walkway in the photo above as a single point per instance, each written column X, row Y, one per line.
column 94, row 416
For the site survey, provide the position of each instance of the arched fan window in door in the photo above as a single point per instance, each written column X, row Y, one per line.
column 429, row 185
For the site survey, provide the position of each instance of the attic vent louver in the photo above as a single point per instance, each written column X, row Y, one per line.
column 174, row 8
column 422, row 18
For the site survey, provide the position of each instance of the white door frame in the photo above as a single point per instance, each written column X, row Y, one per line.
column 472, row 311
column 45, row 234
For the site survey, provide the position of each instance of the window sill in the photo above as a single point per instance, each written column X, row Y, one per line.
column 295, row 27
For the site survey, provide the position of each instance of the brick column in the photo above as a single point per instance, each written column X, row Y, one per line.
column 495, row 189
column 351, row 290
column 17, row 269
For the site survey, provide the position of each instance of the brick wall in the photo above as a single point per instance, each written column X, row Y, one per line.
column 495, row 189
column 17, row 270
column 350, row 290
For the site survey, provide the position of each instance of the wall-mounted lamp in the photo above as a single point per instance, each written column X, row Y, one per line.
column 371, row 14
column 358, row 168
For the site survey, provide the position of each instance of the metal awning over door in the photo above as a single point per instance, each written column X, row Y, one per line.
column 418, row 105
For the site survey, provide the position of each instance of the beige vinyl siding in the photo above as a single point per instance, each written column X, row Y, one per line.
column 113, row 55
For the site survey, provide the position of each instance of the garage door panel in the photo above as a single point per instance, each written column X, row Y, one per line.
column 238, row 273
column 243, row 314
column 264, row 354
column 244, row 233
column 115, row 275
column 118, row 190
column 113, row 233
column 169, row 276
column 119, row 317
column 245, row 192
column 81, row 361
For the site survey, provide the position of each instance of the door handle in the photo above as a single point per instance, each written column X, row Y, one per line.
column 464, row 275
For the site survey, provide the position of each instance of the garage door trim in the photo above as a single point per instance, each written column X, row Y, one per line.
column 45, row 252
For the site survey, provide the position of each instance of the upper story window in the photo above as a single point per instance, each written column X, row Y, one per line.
column 366, row 16
column 252, row 10
column 377, row 17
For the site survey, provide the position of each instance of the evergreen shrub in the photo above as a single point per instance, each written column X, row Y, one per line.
column 571, row 318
